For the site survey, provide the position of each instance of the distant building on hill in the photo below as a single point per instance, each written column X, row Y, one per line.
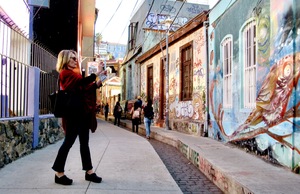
column 109, row 51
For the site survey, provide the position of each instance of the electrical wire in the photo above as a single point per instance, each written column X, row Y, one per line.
column 167, row 31
column 147, row 16
column 128, row 20
column 160, row 42
column 112, row 17
column 110, row 21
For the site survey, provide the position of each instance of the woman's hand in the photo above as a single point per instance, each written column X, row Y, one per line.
column 102, row 72
column 99, row 83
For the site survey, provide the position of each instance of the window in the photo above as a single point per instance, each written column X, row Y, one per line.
column 186, row 72
column 227, row 72
column 150, row 82
column 132, row 35
column 249, row 52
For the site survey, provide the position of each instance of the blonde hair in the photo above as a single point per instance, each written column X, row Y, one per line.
column 63, row 59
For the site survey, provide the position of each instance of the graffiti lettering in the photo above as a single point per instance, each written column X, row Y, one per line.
column 154, row 21
column 184, row 109
column 168, row 8
column 193, row 157
column 183, row 149
column 195, row 9
column 151, row 20
column 180, row 21
column 199, row 72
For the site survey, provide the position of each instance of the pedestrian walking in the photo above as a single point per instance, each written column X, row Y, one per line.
column 148, row 116
column 75, row 123
column 136, row 115
column 117, row 113
column 140, row 104
column 106, row 109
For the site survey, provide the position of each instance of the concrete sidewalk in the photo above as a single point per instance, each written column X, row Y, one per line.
column 230, row 168
column 126, row 162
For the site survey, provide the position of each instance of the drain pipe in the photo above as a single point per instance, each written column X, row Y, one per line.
column 207, row 117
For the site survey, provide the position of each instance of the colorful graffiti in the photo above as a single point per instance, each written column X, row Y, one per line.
column 154, row 21
column 184, row 109
column 195, row 9
column 271, row 127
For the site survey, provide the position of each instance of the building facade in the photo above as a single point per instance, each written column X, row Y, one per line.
column 116, row 50
column 246, row 82
column 254, row 70
column 186, row 65
column 146, row 29
column 110, row 51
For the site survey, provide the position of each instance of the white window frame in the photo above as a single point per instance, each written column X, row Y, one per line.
column 250, row 60
column 227, row 48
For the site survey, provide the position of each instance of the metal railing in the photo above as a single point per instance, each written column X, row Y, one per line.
column 19, row 55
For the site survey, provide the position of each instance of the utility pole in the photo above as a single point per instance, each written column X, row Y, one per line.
column 168, row 23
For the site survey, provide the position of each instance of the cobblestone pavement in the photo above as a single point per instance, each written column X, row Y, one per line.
column 187, row 176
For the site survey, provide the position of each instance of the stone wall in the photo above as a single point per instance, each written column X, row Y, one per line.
column 16, row 137
column 188, row 126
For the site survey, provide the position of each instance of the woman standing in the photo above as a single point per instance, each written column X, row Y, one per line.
column 136, row 114
column 106, row 109
column 76, row 123
column 117, row 113
column 148, row 116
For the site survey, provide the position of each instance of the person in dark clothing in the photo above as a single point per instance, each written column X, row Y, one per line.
column 148, row 116
column 125, row 109
column 77, row 122
column 106, row 109
column 98, row 108
column 136, row 114
column 117, row 113
column 140, row 104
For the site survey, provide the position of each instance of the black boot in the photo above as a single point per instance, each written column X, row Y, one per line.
column 64, row 180
column 93, row 177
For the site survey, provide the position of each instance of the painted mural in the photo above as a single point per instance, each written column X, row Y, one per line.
column 272, row 128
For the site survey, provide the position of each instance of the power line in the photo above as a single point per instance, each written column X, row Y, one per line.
column 167, row 31
column 169, row 26
column 175, row 16
column 147, row 16
column 161, row 38
column 112, row 16
column 128, row 19
column 110, row 21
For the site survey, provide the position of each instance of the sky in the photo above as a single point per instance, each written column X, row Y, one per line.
column 114, row 16
column 18, row 14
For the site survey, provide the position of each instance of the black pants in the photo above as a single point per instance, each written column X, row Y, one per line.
column 117, row 120
column 135, row 124
column 106, row 115
column 74, row 129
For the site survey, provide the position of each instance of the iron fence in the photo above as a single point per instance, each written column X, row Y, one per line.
column 19, row 54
